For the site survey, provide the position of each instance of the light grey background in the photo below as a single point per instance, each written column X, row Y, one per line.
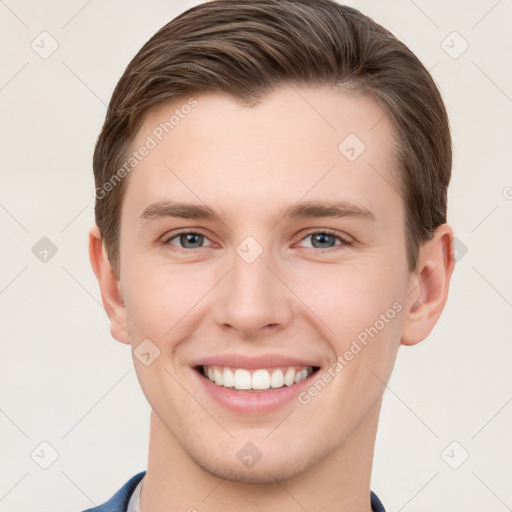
column 66, row 382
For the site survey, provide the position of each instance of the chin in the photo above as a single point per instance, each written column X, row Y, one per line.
column 270, row 469
column 259, row 475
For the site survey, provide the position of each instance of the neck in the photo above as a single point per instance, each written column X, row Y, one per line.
column 339, row 482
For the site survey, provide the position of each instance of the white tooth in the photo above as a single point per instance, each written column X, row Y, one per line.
column 217, row 375
column 277, row 379
column 289, row 376
column 229, row 378
column 260, row 379
column 242, row 379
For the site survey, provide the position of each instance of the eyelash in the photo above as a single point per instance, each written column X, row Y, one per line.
column 345, row 241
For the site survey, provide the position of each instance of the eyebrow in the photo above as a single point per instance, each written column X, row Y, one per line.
column 304, row 210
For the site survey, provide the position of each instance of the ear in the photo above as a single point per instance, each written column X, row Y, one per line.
column 111, row 294
column 429, row 286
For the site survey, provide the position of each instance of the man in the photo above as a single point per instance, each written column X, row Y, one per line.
column 271, row 225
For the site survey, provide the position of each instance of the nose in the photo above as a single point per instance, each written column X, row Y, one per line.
column 252, row 299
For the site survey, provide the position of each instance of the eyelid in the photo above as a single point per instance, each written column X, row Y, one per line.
column 166, row 239
column 345, row 238
column 327, row 231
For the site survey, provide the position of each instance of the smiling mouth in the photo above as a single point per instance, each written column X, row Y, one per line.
column 263, row 379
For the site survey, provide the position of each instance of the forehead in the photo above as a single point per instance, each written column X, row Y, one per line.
column 311, row 142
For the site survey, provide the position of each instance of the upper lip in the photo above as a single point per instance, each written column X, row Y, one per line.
column 252, row 362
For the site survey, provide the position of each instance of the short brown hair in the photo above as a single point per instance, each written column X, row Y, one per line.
column 246, row 49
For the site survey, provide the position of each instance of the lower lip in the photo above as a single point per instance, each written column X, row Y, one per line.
column 253, row 402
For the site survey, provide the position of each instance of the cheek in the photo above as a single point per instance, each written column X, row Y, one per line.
column 365, row 312
column 368, row 331
column 350, row 296
column 158, row 295
column 363, row 309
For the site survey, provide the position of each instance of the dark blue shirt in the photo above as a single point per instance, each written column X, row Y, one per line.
column 119, row 502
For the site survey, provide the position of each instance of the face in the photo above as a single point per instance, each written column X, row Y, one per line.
column 264, row 246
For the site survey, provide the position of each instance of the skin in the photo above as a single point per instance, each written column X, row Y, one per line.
column 247, row 163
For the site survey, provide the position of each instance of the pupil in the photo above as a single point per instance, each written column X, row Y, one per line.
column 322, row 238
column 189, row 238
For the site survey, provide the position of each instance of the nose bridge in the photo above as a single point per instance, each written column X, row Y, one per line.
column 251, row 297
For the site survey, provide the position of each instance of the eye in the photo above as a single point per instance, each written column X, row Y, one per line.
column 324, row 241
column 186, row 239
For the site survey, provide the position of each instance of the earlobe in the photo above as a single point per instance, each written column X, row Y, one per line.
column 429, row 286
column 111, row 294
